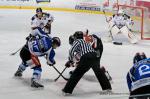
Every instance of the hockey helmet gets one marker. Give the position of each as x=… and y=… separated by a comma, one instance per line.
x=56, y=40
x=78, y=35
x=138, y=57
x=71, y=39
x=38, y=10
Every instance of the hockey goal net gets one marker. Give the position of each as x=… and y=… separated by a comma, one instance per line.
x=141, y=18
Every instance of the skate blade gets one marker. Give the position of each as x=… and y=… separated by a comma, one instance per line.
x=36, y=88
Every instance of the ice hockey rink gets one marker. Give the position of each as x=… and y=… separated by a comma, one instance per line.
x=15, y=26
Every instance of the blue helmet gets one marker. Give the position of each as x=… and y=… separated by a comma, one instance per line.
x=138, y=57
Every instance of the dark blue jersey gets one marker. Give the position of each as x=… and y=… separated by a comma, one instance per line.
x=139, y=75
x=41, y=47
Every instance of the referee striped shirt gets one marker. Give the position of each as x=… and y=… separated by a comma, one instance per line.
x=81, y=47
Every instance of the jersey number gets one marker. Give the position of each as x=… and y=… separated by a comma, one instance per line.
x=35, y=44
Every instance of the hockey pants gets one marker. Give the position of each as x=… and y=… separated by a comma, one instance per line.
x=86, y=62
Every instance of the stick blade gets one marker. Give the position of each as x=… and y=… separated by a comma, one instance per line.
x=117, y=43
x=12, y=54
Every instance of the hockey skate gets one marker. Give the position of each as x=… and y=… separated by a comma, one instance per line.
x=36, y=84
x=18, y=73
x=65, y=93
x=106, y=92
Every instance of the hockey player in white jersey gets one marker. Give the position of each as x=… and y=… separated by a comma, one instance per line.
x=42, y=20
x=121, y=23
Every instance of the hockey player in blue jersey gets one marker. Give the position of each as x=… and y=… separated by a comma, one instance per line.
x=138, y=78
x=34, y=48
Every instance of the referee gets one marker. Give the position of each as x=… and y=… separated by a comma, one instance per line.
x=88, y=60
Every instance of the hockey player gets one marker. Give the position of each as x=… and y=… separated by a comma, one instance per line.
x=88, y=59
x=34, y=48
x=121, y=23
x=42, y=20
x=138, y=78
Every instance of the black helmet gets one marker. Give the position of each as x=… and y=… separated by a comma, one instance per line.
x=138, y=57
x=71, y=39
x=38, y=10
x=56, y=40
x=78, y=35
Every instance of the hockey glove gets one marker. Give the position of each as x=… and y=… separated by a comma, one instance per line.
x=51, y=64
x=68, y=64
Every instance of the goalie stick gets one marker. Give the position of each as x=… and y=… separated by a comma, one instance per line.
x=110, y=35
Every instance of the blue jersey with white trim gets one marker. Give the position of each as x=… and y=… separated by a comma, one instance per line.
x=41, y=47
x=139, y=75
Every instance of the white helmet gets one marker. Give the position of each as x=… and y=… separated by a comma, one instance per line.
x=120, y=11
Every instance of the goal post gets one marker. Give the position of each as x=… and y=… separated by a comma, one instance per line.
x=141, y=19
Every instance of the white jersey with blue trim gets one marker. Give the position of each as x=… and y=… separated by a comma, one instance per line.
x=41, y=47
x=121, y=20
x=41, y=22
x=139, y=75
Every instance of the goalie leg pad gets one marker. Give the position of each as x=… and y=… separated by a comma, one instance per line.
x=127, y=33
x=114, y=30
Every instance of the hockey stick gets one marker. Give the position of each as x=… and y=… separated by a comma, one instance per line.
x=139, y=96
x=14, y=53
x=58, y=71
x=116, y=43
x=60, y=74
x=49, y=32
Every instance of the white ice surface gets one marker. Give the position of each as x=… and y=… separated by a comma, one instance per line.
x=15, y=26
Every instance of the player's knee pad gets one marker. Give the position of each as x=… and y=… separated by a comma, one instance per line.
x=22, y=66
x=37, y=72
x=38, y=68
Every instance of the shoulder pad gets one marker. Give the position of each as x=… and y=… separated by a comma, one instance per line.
x=46, y=14
x=33, y=17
